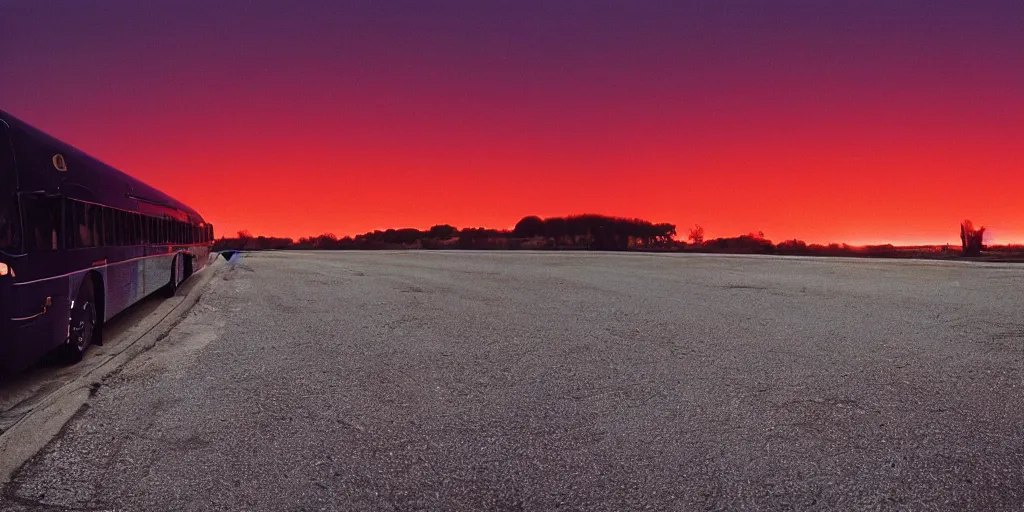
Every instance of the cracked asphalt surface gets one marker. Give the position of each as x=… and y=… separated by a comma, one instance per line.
x=543, y=381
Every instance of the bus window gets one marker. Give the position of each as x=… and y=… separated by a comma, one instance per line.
x=99, y=229
x=78, y=224
x=124, y=228
x=94, y=218
x=125, y=233
x=109, y=227
x=129, y=228
x=119, y=227
x=70, y=232
x=136, y=228
x=96, y=223
x=42, y=217
x=85, y=232
x=114, y=221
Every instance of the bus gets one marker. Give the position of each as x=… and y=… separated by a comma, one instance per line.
x=80, y=242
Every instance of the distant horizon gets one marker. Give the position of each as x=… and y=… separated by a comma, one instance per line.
x=682, y=232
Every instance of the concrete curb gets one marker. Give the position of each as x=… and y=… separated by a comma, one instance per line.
x=48, y=415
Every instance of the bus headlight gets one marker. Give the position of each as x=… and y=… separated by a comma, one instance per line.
x=6, y=269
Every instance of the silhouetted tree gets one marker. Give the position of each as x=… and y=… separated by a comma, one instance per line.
x=555, y=229
x=404, y=236
x=325, y=241
x=697, y=234
x=655, y=235
x=745, y=244
x=529, y=227
x=477, y=238
x=792, y=247
x=346, y=243
x=442, y=232
x=971, y=239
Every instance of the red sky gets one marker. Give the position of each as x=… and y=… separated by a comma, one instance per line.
x=857, y=122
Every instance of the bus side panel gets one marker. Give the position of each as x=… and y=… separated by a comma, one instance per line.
x=157, y=271
x=23, y=343
x=179, y=269
x=201, y=255
x=125, y=281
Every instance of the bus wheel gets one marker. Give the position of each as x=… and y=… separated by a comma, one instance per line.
x=84, y=320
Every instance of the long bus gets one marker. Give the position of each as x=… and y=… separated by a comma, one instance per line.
x=80, y=241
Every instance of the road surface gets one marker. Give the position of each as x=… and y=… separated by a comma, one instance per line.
x=530, y=381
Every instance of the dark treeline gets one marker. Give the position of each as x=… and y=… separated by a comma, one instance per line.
x=595, y=232
x=600, y=232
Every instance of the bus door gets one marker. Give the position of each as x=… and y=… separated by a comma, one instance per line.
x=10, y=241
x=11, y=354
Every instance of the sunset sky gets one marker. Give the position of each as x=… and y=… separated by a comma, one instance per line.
x=848, y=121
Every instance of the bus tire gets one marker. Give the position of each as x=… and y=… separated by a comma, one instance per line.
x=84, y=322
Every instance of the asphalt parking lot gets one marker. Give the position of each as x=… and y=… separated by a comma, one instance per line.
x=541, y=381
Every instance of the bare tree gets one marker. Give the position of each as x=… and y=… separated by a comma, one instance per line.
x=697, y=234
x=972, y=239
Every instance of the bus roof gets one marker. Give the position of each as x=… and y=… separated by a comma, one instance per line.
x=83, y=177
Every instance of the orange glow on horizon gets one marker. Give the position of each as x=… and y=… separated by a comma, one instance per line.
x=242, y=181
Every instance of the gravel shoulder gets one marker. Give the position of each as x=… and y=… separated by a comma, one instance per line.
x=529, y=381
